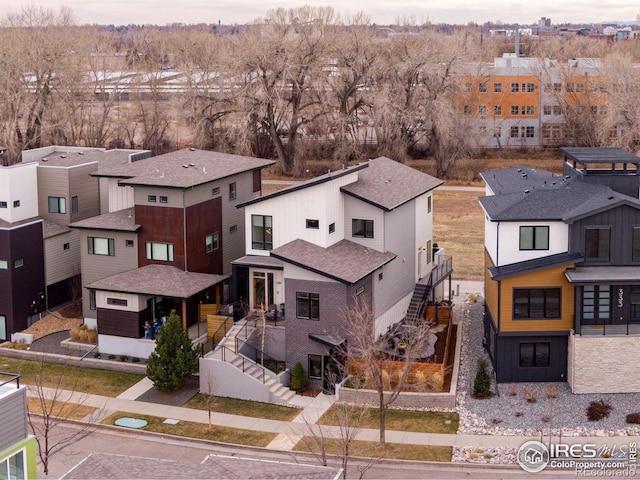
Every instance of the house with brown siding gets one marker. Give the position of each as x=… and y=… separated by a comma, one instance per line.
x=561, y=280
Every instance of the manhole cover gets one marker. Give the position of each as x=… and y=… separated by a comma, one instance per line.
x=131, y=422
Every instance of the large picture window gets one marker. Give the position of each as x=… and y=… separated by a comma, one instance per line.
x=101, y=246
x=261, y=232
x=308, y=305
x=315, y=366
x=534, y=238
x=536, y=303
x=160, y=251
x=535, y=354
x=362, y=228
x=597, y=242
x=635, y=254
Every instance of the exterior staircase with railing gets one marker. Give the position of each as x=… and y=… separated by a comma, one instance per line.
x=417, y=304
x=227, y=351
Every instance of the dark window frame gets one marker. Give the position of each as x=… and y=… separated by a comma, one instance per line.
x=537, y=303
x=539, y=358
x=308, y=305
x=214, y=244
x=361, y=228
x=149, y=251
x=111, y=249
x=74, y=204
x=120, y=302
x=534, y=237
x=312, y=223
x=57, y=205
x=152, y=198
x=164, y=199
x=635, y=244
x=595, y=244
x=233, y=191
x=310, y=370
x=261, y=233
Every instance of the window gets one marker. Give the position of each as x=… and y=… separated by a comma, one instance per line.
x=13, y=468
x=362, y=228
x=380, y=276
x=534, y=238
x=536, y=303
x=3, y=204
x=514, y=110
x=635, y=245
x=530, y=132
x=160, y=251
x=257, y=180
x=232, y=191
x=497, y=109
x=4, y=264
x=579, y=87
x=152, y=199
x=531, y=87
x=16, y=204
x=597, y=242
x=546, y=110
x=211, y=242
x=429, y=252
x=332, y=227
x=215, y=191
x=596, y=303
x=497, y=132
x=261, y=232
x=482, y=87
x=66, y=246
x=467, y=110
x=534, y=354
x=603, y=110
x=308, y=305
x=429, y=204
x=514, y=132
x=530, y=110
x=635, y=303
x=515, y=87
x=313, y=223
x=19, y=262
x=121, y=302
x=497, y=88
x=74, y=204
x=557, y=87
x=594, y=109
x=482, y=110
x=128, y=243
x=164, y=199
x=315, y=366
x=570, y=87
x=557, y=110
x=360, y=290
x=233, y=228
x=467, y=87
x=101, y=246
x=3, y=327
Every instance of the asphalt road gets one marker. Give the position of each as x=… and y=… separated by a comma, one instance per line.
x=140, y=444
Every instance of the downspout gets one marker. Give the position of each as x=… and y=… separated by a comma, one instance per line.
x=184, y=229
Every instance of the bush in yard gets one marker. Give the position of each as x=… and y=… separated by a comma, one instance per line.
x=598, y=410
x=482, y=382
x=633, y=417
x=298, y=379
x=174, y=360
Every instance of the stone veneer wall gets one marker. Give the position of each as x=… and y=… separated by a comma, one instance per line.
x=604, y=364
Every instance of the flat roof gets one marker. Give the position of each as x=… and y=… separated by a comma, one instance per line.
x=604, y=274
x=587, y=155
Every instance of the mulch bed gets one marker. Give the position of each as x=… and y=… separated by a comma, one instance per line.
x=176, y=398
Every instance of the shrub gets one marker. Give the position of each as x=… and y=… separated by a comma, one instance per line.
x=96, y=354
x=92, y=336
x=298, y=378
x=135, y=360
x=355, y=381
x=633, y=417
x=111, y=356
x=598, y=410
x=482, y=382
x=530, y=394
x=123, y=358
x=513, y=390
x=550, y=390
x=473, y=298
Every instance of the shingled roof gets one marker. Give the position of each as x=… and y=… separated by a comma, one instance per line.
x=345, y=261
x=388, y=184
x=162, y=280
x=182, y=169
x=121, y=220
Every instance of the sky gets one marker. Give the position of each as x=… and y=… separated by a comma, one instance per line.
x=162, y=12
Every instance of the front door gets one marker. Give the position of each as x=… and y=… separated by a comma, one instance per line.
x=259, y=289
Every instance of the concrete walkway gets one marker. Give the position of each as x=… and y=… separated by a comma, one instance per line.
x=288, y=433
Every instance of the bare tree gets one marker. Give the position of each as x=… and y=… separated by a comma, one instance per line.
x=210, y=395
x=371, y=356
x=57, y=401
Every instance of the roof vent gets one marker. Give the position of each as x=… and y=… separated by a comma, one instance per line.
x=192, y=164
x=185, y=166
x=192, y=149
x=45, y=159
x=519, y=170
x=527, y=191
x=63, y=156
x=611, y=197
x=80, y=153
x=204, y=169
x=524, y=175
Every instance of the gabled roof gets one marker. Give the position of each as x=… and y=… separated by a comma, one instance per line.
x=517, y=179
x=388, y=184
x=536, y=264
x=564, y=199
x=161, y=280
x=182, y=169
x=52, y=229
x=345, y=261
x=121, y=220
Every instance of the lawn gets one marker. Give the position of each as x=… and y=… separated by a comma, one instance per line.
x=401, y=420
x=66, y=410
x=245, y=408
x=217, y=433
x=361, y=448
x=80, y=379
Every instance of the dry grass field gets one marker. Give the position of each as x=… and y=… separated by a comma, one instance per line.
x=458, y=218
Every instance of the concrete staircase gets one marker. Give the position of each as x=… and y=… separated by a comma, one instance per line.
x=226, y=352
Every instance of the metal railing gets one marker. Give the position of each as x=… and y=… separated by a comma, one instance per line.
x=444, y=268
x=259, y=357
x=245, y=362
x=221, y=332
x=13, y=377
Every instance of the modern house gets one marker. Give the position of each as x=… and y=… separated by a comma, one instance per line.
x=17, y=446
x=314, y=249
x=562, y=283
x=166, y=243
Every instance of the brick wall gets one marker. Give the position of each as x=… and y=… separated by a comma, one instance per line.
x=604, y=364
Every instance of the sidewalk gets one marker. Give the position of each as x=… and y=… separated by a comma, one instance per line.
x=290, y=432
